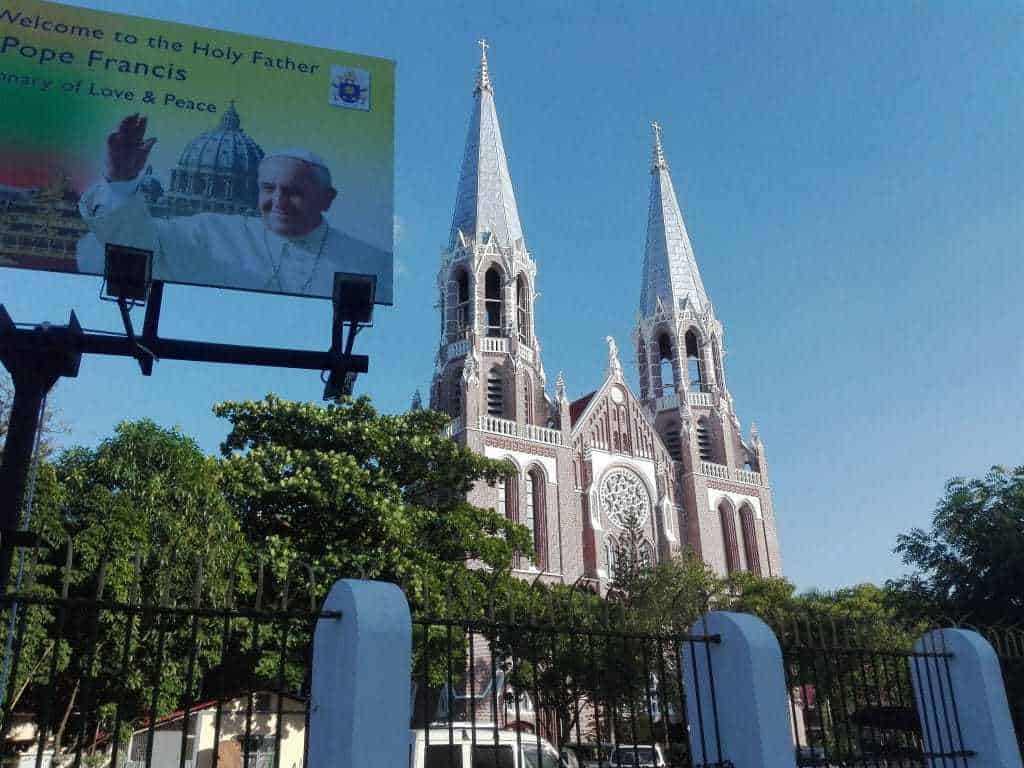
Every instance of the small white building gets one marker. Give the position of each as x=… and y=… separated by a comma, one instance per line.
x=252, y=728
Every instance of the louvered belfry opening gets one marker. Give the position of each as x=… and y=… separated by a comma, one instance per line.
x=704, y=446
x=495, y=394
x=674, y=442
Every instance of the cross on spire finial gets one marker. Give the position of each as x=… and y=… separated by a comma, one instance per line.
x=659, y=153
x=483, y=80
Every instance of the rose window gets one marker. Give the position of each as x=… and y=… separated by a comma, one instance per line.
x=624, y=498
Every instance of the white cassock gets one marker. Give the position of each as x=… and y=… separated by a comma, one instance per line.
x=224, y=250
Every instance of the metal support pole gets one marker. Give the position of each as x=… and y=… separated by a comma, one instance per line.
x=54, y=352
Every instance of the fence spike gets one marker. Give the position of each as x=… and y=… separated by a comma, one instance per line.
x=166, y=583
x=197, y=584
x=572, y=601
x=449, y=592
x=286, y=589
x=229, y=599
x=69, y=559
x=30, y=576
x=311, y=574
x=259, y=582
x=135, y=591
x=101, y=580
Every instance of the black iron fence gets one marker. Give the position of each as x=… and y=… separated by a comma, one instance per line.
x=559, y=690
x=852, y=700
x=106, y=668
x=100, y=670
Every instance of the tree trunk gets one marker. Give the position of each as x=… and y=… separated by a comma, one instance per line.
x=31, y=674
x=58, y=737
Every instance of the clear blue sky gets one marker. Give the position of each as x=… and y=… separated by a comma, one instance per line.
x=851, y=175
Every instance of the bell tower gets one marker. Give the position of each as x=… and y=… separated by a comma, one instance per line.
x=679, y=344
x=488, y=363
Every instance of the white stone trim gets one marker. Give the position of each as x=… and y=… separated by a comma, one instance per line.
x=716, y=497
x=524, y=460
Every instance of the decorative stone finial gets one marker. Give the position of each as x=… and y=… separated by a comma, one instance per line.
x=659, y=162
x=755, y=436
x=417, y=401
x=614, y=366
x=483, y=78
x=470, y=370
x=560, y=387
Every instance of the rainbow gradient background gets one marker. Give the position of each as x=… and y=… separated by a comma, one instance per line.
x=46, y=134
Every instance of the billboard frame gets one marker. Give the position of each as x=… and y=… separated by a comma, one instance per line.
x=38, y=355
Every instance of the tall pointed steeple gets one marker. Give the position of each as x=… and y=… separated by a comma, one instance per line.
x=485, y=202
x=670, y=270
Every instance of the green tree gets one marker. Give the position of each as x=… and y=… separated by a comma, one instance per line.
x=354, y=493
x=969, y=564
x=143, y=512
x=634, y=557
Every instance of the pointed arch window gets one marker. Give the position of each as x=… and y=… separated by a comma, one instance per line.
x=694, y=367
x=668, y=374
x=749, y=530
x=462, y=304
x=730, y=545
x=523, y=309
x=495, y=394
x=493, y=302
x=506, y=497
x=535, y=518
x=645, y=555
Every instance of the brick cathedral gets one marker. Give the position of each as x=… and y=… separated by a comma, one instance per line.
x=672, y=456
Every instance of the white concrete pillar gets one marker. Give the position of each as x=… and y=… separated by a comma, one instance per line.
x=362, y=675
x=961, y=701
x=736, y=701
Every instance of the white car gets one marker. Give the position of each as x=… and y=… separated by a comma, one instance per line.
x=636, y=756
x=479, y=745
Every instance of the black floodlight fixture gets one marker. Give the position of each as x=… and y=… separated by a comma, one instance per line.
x=353, y=307
x=127, y=273
x=353, y=298
x=340, y=384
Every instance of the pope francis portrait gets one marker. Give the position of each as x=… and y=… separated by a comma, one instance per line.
x=290, y=248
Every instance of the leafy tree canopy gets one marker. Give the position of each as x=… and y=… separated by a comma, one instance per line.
x=970, y=564
x=353, y=492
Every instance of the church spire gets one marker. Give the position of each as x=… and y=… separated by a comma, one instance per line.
x=485, y=202
x=483, y=80
x=670, y=271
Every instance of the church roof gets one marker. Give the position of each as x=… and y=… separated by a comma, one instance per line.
x=485, y=202
x=577, y=407
x=670, y=269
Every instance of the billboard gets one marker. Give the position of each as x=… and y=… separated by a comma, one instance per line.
x=239, y=162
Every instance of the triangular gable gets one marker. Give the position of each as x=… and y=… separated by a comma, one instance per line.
x=591, y=405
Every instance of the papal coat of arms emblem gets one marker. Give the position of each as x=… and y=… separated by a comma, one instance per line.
x=349, y=88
